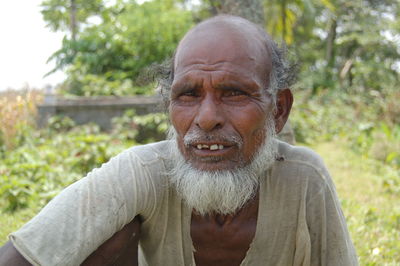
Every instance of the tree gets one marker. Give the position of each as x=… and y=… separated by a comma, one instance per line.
x=335, y=41
x=106, y=58
x=352, y=46
x=65, y=15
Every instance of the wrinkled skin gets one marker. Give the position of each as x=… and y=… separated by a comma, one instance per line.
x=219, y=90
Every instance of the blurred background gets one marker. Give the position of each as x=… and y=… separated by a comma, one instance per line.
x=347, y=98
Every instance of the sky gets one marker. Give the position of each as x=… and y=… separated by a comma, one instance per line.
x=25, y=46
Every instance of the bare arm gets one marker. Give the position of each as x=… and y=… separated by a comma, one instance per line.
x=121, y=249
x=9, y=256
x=86, y=214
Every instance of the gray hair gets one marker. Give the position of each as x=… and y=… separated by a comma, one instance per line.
x=282, y=75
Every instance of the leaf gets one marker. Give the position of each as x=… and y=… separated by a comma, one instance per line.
x=329, y=5
x=391, y=156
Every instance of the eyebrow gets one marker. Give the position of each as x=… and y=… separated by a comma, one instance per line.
x=185, y=86
x=228, y=84
x=232, y=84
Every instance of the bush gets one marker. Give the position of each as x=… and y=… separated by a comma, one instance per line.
x=17, y=117
x=37, y=171
x=141, y=129
x=366, y=121
x=53, y=157
x=107, y=58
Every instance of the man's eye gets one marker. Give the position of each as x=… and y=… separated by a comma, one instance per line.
x=188, y=95
x=235, y=93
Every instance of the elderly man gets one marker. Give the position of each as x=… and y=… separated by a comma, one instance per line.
x=222, y=191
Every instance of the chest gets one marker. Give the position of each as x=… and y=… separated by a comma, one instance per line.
x=222, y=242
x=174, y=237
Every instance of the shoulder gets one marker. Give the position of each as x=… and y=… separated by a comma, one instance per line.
x=142, y=164
x=298, y=155
x=301, y=166
x=148, y=153
x=151, y=155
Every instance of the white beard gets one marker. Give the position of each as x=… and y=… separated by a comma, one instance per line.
x=223, y=191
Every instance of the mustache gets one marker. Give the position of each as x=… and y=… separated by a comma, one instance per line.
x=197, y=135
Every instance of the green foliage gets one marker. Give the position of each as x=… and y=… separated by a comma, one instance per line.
x=348, y=96
x=368, y=122
x=60, y=124
x=348, y=45
x=143, y=129
x=369, y=201
x=385, y=144
x=61, y=153
x=97, y=85
x=283, y=18
x=39, y=169
x=107, y=58
x=57, y=13
x=339, y=44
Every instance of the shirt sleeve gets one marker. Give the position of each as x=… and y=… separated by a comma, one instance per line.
x=87, y=213
x=330, y=240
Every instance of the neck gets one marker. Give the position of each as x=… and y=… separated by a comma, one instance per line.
x=249, y=211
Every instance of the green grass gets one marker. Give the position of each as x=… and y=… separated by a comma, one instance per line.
x=370, y=203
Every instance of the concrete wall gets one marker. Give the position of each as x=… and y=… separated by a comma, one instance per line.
x=99, y=110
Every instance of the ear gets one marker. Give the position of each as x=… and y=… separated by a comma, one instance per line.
x=284, y=101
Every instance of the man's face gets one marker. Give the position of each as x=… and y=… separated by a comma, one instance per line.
x=218, y=101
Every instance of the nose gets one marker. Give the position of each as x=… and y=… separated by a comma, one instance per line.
x=209, y=115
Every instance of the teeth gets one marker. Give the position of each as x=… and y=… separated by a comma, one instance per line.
x=214, y=147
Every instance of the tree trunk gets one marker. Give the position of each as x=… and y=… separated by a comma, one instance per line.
x=73, y=23
x=330, y=52
x=330, y=43
x=283, y=19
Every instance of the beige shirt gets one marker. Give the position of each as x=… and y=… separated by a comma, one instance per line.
x=300, y=221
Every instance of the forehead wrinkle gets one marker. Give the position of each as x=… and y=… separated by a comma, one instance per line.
x=182, y=61
x=225, y=66
x=195, y=78
x=242, y=46
x=221, y=36
x=202, y=62
x=222, y=83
